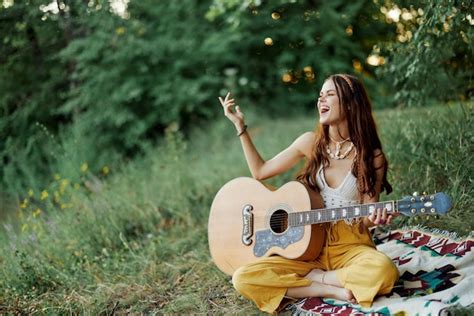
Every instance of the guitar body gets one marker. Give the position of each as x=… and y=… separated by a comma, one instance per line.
x=248, y=222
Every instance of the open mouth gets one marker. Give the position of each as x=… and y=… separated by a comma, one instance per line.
x=323, y=109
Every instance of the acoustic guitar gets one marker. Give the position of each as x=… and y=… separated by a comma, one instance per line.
x=248, y=221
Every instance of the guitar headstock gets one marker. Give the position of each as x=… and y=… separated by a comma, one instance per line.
x=434, y=204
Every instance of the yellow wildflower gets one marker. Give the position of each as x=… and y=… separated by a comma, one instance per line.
x=105, y=170
x=120, y=30
x=44, y=195
x=64, y=184
x=77, y=186
x=24, y=227
x=30, y=192
x=63, y=206
x=84, y=167
x=57, y=177
x=24, y=204
x=37, y=212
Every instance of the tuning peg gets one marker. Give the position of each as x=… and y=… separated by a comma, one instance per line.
x=432, y=210
x=422, y=199
x=432, y=197
x=413, y=210
x=415, y=193
x=422, y=210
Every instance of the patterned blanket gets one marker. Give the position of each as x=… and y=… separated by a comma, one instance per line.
x=436, y=273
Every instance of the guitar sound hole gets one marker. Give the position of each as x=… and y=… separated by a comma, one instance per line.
x=279, y=221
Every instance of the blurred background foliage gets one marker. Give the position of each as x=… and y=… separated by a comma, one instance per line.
x=98, y=81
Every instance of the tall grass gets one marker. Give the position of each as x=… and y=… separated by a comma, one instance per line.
x=137, y=240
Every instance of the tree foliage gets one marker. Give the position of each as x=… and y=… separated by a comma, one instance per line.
x=80, y=82
x=433, y=57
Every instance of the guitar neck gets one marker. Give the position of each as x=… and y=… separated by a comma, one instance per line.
x=325, y=215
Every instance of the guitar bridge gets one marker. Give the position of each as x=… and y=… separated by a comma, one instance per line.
x=247, y=232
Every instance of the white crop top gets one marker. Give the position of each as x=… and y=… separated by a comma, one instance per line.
x=346, y=194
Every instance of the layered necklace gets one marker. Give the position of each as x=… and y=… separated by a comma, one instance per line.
x=337, y=155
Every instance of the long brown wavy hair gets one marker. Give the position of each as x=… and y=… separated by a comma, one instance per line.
x=356, y=107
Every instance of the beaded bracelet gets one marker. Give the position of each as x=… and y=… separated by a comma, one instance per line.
x=242, y=131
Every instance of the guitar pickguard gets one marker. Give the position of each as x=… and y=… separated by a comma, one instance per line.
x=265, y=239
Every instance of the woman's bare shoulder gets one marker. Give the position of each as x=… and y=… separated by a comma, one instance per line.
x=304, y=143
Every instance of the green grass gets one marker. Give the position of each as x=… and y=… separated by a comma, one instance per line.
x=136, y=241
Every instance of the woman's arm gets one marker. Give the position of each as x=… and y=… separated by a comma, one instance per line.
x=282, y=162
x=260, y=168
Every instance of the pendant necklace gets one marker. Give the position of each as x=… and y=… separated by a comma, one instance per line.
x=337, y=155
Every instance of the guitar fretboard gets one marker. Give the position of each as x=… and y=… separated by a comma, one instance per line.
x=334, y=214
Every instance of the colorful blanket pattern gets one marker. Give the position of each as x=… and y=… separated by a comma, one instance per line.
x=436, y=272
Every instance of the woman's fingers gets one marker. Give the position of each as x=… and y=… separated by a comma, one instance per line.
x=234, y=115
x=378, y=217
x=225, y=98
x=384, y=219
x=227, y=104
x=371, y=217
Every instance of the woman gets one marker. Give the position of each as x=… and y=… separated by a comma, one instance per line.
x=345, y=163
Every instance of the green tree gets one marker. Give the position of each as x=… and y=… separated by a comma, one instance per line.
x=432, y=58
x=33, y=82
x=289, y=47
x=139, y=75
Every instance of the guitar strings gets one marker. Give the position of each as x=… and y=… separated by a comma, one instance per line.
x=278, y=217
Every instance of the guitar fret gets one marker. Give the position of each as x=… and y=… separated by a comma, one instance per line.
x=334, y=214
x=378, y=205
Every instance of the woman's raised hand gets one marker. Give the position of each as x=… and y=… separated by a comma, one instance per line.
x=236, y=117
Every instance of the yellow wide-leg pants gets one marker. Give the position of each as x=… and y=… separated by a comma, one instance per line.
x=349, y=250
